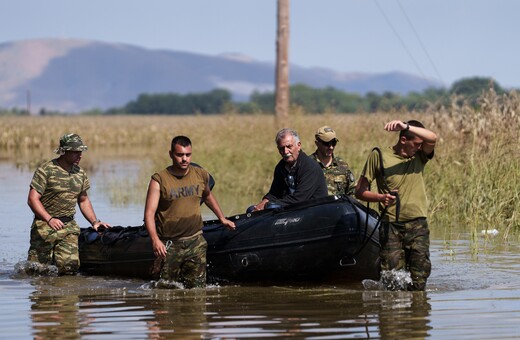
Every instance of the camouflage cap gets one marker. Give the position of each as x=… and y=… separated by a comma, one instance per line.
x=71, y=142
x=326, y=134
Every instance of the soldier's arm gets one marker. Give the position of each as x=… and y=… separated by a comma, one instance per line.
x=35, y=203
x=88, y=211
x=363, y=193
x=152, y=202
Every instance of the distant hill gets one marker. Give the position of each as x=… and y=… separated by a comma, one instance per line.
x=72, y=75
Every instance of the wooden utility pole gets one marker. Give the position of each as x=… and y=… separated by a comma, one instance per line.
x=282, y=61
x=28, y=96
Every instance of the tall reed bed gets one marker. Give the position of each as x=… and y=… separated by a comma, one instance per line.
x=473, y=182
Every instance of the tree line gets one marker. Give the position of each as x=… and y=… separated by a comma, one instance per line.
x=312, y=100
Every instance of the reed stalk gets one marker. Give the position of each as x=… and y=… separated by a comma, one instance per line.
x=472, y=183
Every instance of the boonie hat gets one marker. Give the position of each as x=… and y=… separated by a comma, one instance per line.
x=71, y=142
x=326, y=134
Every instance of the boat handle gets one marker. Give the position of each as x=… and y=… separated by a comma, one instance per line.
x=342, y=264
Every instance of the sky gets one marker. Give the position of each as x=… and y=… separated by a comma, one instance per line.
x=442, y=40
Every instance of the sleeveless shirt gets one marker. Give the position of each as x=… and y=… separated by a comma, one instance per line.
x=178, y=212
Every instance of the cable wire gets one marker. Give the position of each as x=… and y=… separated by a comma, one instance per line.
x=400, y=39
x=421, y=43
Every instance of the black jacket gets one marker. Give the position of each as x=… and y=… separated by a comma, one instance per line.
x=309, y=182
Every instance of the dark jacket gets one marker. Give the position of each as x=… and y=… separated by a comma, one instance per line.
x=309, y=182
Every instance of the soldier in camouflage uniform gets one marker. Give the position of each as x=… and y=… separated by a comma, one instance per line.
x=340, y=180
x=56, y=187
x=173, y=216
x=404, y=235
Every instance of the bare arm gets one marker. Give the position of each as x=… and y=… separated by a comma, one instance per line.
x=363, y=193
x=212, y=203
x=152, y=202
x=88, y=211
x=34, y=202
x=429, y=137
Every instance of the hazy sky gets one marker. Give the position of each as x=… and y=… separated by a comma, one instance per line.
x=445, y=40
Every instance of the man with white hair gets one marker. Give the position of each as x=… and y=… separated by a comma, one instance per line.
x=297, y=177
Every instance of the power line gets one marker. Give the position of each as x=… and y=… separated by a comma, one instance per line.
x=421, y=43
x=400, y=40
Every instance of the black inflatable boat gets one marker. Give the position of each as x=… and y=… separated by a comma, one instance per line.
x=330, y=239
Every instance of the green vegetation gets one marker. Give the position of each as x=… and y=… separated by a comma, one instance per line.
x=302, y=98
x=215, y=101
x=316, y=101
x=473, y=182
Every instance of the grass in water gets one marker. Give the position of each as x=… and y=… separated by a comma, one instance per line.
x=472, y=183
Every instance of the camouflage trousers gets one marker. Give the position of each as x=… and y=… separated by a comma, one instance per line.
x=186, y=262
x=406, y=245
x=51, y=247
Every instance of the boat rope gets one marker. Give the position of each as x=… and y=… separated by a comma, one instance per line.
x=367, y=239
x=383, y=213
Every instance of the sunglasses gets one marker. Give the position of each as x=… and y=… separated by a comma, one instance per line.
x=327, y=144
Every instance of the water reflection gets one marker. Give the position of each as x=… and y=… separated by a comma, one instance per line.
x=181, y=313
x=71, y=307
x=54, y=315
x=468, y=296
x=401, y=314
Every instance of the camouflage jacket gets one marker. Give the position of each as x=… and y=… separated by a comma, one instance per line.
x=340, y=179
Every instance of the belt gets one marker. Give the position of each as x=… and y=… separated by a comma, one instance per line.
x=186, y=238
x=64, y=219
x=407, y=221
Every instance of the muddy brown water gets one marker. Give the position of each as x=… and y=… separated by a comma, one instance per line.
x=471, y=294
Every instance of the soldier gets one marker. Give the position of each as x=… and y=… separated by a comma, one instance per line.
x=398, y=172
x=340, y=180
x=173, y=217
x=56, y=187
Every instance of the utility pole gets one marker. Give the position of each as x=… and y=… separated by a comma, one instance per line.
x=28, y=102
x=282, y=61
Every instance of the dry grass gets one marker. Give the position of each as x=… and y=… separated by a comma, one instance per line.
x=473, y=182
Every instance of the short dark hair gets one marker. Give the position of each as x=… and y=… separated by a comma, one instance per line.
x=407, y=133
x=181, y=140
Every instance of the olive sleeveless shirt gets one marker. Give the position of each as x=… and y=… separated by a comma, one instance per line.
x=178, y=213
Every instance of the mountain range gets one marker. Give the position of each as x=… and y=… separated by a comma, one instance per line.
x=72, y=75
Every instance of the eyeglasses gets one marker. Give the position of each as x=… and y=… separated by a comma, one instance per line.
x=328, y=144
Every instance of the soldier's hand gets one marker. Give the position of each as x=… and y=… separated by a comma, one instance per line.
x=387, y=199
x=395, y=125
x=100, y=224
x=159, y=249
x=55, y=223
x=229, y=224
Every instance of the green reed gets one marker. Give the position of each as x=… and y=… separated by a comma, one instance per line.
x=472, y=182
x=475, y=181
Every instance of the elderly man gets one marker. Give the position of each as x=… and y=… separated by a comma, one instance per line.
x=56, y=187
x=340, y=180
x=297, y=177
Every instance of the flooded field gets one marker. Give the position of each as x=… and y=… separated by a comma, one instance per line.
x=473, y=293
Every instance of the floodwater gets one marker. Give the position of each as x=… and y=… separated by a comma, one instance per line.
x=470, y=295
